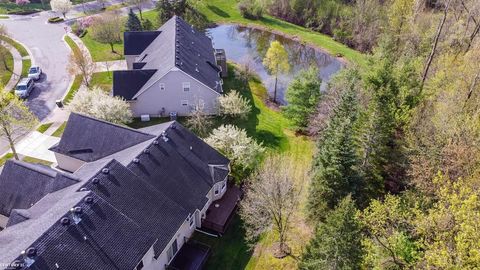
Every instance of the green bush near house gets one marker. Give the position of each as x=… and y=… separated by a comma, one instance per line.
x=7, y=7
x=44, y=127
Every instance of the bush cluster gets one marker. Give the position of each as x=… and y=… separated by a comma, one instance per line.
x=55, y=20
x=250, y=9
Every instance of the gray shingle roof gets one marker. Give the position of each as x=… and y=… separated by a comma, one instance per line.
x=23, y=184
x=90, y=139
x=127, y=82
x=137, y=204
x=180, y=46
x=136, y=42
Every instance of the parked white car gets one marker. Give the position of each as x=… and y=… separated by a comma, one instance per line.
x=24, y=87
x=34, y=73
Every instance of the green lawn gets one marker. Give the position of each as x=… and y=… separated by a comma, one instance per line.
x=23, y=52
x=103, y=80
x=60, y=130
x=73, y=46
x=6, y=72
x=5, y=158
x=77, y=82
x=102, y=52
x=26, y=64
x=36, y=160
x=229, y=251
x=44, y=127
x=9, y=7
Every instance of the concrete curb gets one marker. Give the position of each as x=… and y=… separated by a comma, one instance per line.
x=72, y=77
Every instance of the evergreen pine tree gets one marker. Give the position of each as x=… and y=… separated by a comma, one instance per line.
x=302, y=96
x=335, y=173
x=147, y=25
x=133, y=23
x=337, y=242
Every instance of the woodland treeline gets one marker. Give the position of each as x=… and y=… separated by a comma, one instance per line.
x=395, y=180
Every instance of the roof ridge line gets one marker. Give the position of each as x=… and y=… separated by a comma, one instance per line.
x=35, y=167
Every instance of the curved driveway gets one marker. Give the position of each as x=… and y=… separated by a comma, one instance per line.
x=50, y=52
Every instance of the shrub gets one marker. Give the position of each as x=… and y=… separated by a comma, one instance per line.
x=250, y=9
x=55, y=20
x=234, y=105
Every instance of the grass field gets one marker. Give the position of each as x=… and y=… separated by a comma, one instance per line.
x=102, y=52
x=77, y=82
x=36, y=160
x=6, y=68
x=73, y=46
x=103, y=80
x=44, y=127
x=5, y=158
x=9, y=7
x=60, y=130
x=23, y=52
x=26, y=64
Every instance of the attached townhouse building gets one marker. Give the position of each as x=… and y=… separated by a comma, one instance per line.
x=119, y=199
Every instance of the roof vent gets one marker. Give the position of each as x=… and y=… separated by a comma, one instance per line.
x=28, y=257
x=191, y=148
x=89, y=200
x=96, y=181
x=146, y=151
x=155, y=142
x=105, y=170
x=83, y=189
x=76, y=212
x=136, y=160
x=65, y=221
x=196, y=69
x=173, y=126
x=57, y=266
x=31, y=252
x=17, y=264
x=164, y=136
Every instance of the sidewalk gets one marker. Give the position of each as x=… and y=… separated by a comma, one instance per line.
x=17, y=66
x=36, y=145
x=110, y=65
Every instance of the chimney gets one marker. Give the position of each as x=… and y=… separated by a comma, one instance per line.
x=76, y=214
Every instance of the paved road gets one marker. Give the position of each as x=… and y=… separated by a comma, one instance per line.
x=50, y=52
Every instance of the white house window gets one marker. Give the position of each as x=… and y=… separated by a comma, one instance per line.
x=186, y=86
x=192, y=221
x=162, y=86
x=184, y=102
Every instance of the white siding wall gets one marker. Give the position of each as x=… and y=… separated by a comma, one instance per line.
x=68, y=163
x=182, y=235
x=130, y=59
x=153, y=99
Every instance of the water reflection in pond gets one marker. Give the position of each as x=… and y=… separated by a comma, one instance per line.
x=247, y=45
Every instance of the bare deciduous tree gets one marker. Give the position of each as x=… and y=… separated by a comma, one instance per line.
x=199, y=121
x=81, y=63
x=138, y=5
x=107, y=29
x=16, y=120
x=271, y=199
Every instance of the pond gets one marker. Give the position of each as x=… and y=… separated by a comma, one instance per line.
x=247, y=45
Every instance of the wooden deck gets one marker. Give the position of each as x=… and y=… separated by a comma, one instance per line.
x=221, y=211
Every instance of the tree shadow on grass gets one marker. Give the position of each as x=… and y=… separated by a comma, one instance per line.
x=218, y=11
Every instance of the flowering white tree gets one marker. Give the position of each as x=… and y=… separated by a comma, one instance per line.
x=234, y=105
x=243, y=151
x=98, y=104
x=61, y=6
